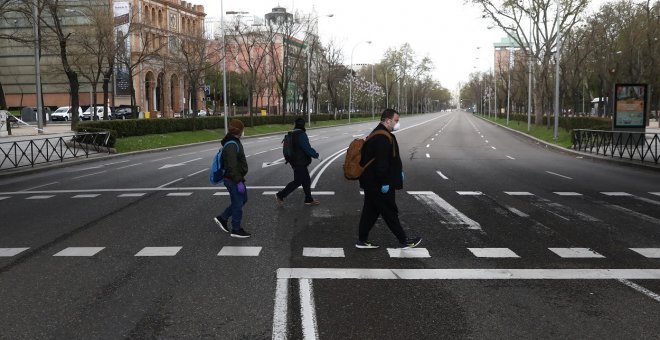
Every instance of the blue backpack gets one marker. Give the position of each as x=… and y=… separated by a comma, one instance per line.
x=217, y=169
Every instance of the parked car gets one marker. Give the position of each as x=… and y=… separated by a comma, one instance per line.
x=202, y=113
x=87, y=115
x=64, y=113
x=122, y=113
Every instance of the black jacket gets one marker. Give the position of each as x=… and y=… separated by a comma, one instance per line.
x=234, y=162
x=385, y=169
x=302, y=150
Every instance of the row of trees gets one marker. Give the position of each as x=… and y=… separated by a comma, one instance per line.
x=617, y=44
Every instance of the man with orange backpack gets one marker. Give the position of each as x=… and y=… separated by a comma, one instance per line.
x=382, y=175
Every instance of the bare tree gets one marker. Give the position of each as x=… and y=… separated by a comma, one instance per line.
x=516, y=18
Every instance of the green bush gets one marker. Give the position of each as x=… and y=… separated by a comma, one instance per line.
x=570, y=123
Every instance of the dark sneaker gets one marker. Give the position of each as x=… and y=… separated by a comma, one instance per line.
x=222, y=223
x=312, y=202
x=366, y=245
x=279, y=201
x=240, y=233
x=410, y=243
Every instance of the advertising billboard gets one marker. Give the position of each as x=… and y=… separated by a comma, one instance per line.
x=122, y=24
x=630, y=106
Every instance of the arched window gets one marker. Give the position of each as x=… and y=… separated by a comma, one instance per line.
x=153, y=16
x=160, y=19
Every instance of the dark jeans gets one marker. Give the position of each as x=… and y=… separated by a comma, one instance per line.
x=300, y=177
x=379, y=204
x=235, y=209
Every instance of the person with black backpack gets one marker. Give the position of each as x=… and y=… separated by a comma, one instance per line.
x=235, y=166
x=298, y=153
x=382, y=174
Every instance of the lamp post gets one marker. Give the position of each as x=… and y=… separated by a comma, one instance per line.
x=557, y=56
x=350, y=81
x=508, y=86
x=37, y=65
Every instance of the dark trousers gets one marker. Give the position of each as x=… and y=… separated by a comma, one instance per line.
x=379, y=204
x=300, y=177
x=235, y=209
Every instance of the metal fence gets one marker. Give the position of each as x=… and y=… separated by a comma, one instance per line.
x=43, y=150
x=632, y=145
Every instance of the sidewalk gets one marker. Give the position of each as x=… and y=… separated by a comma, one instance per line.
x=24, y=132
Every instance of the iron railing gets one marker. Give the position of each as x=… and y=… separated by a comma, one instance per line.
x=632, y=145
x=25, y=153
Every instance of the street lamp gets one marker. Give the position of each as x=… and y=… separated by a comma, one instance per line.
x=350, y=81
x=37, y=65
x=557, y=56
x=224, y=61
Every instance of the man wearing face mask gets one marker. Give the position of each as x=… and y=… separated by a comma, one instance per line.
x=380, y=179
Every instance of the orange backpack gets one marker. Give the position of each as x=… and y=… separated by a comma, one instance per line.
x=352, y=168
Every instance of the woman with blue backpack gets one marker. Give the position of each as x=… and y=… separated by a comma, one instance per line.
x=233, y=167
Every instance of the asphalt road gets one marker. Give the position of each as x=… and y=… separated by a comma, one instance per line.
x=519, y=241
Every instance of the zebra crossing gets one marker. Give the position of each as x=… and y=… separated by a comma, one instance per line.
x=315, y=252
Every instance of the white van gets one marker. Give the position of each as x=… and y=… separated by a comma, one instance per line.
x=64, y=113
x=87, y=115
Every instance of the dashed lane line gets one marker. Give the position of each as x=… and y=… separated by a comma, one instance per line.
x=558, y=175
x=576, y=253
x=86, y=196
x=87, y=175
x=40, y=186
x=79, y=251
x=441, y=175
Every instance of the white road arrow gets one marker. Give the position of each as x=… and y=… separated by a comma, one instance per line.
x=167, y=166
x=279, y=161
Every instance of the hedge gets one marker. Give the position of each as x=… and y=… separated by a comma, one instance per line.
x=140, y=127
x=569, y=123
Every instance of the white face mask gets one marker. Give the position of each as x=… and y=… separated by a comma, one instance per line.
x=396, y=126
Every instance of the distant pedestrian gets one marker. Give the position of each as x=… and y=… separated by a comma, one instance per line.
x=380, y=180
x=299, y=161
x=236, y=167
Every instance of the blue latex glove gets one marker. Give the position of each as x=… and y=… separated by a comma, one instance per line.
x=403, y=176
x=384, y=189
x=241, y=187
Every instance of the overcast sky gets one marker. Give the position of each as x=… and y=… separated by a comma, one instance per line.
x=447, y=31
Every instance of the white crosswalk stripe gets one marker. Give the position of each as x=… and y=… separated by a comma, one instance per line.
x=179, y=194
x=39, y=197
x=9, y=252
x=653, y=253
x=408, y=253
x=493, y=252
x=323, y=252
x=80, y=251
x=86, y=196
x=139, y=194
x=576, y=253
x=4, y=197
x=158, y=251
x=239, y=251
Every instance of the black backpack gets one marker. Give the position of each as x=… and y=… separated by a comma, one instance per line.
x=288, y=148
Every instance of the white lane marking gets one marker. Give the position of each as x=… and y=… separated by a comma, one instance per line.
x=137, y=194
x=317, y=193
x=268, y=137
x=645, y=217
x=655, y=193
x=275, y=162
x=221, y=193
x=87, y=175
x=323, y=252
x=559, y=175
x=494, y=148
x=119, y=162
x=9, y=252
x=493, y=252
x=280, y=310
x=428, y=156
x=576, y=253
x=172, y=182
x=470, y=193
x=167, y=166
x=509, y=157
x=239, y=251
x=214, y=188
x=179, y=194
x=432, y=139
x=358, y=136
x=428, y=145
x=486, y=141
x=318, y=176
x=308, y=310
x=79, y=251
x=4, y=198
x=197, y=172
x=86, y=196
x=450, y=214
x=441, y=175
x=40, y=186
x=260, y=152
x=90, y=168
x=467, y=274
x=187, y=154
x=129, y=166
x=318, y=166
x=652, y=253
x=158, y=251
x=579, y=157
x=518, y=193
x=616, y=194
x=644, y=199
x=362, y=192
x=567, y=193
x=640, y=289
x=39, y=197
x=408, y=253
x=273, y=149
x=160, y=159
x=517, y=212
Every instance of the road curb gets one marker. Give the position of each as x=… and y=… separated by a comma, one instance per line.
x=579, y=153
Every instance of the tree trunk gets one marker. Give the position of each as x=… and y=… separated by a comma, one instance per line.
x=74, y=87
x=3, y=101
